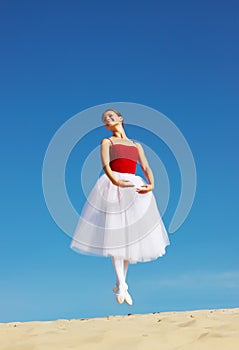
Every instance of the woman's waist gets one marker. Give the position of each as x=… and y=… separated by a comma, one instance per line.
x=122, y=173
x=136, y=179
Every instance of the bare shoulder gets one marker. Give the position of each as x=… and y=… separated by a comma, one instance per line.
x=139, y=146
x=105, y=141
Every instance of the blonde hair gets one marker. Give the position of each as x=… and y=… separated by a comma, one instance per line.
x=116, y=112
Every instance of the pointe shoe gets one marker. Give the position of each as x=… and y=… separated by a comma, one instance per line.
x=127, y=298
x=120, y=296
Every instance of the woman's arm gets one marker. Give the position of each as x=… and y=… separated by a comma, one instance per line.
x=105, y=160
x=145, y=167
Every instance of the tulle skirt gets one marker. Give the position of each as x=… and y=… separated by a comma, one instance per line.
x=118, y=221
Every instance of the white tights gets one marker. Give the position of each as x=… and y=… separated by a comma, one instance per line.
x=121, y=268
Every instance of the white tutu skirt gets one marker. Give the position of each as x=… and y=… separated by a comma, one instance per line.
x=118, y=221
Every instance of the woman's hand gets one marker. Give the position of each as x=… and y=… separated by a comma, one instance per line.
x=124, y=183
x=145, y=188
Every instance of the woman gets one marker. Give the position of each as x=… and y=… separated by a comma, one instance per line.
x=120, y=218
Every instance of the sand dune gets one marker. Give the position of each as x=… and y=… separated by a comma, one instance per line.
x=194, y=330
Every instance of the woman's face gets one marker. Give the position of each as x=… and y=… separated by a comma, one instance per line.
x=110, y=118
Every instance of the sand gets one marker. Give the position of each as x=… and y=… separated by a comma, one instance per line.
x=200, y=329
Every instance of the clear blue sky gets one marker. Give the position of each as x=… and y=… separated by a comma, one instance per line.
x=61, y=57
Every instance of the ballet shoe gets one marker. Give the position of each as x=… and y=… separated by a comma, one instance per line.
x=120, y=295
x=127, y=298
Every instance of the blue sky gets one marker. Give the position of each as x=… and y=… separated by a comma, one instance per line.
x=59, y=58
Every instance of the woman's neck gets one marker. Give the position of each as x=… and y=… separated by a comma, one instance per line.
x=120, y=134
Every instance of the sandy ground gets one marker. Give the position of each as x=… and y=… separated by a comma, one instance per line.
x=199, y=329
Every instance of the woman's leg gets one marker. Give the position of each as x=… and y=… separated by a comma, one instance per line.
x=122, y=294
x=119, y=267
x=126, y=265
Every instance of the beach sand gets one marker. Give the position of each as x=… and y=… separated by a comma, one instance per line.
x=187, y=330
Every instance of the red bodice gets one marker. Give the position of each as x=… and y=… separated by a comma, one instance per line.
x=123, y=158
